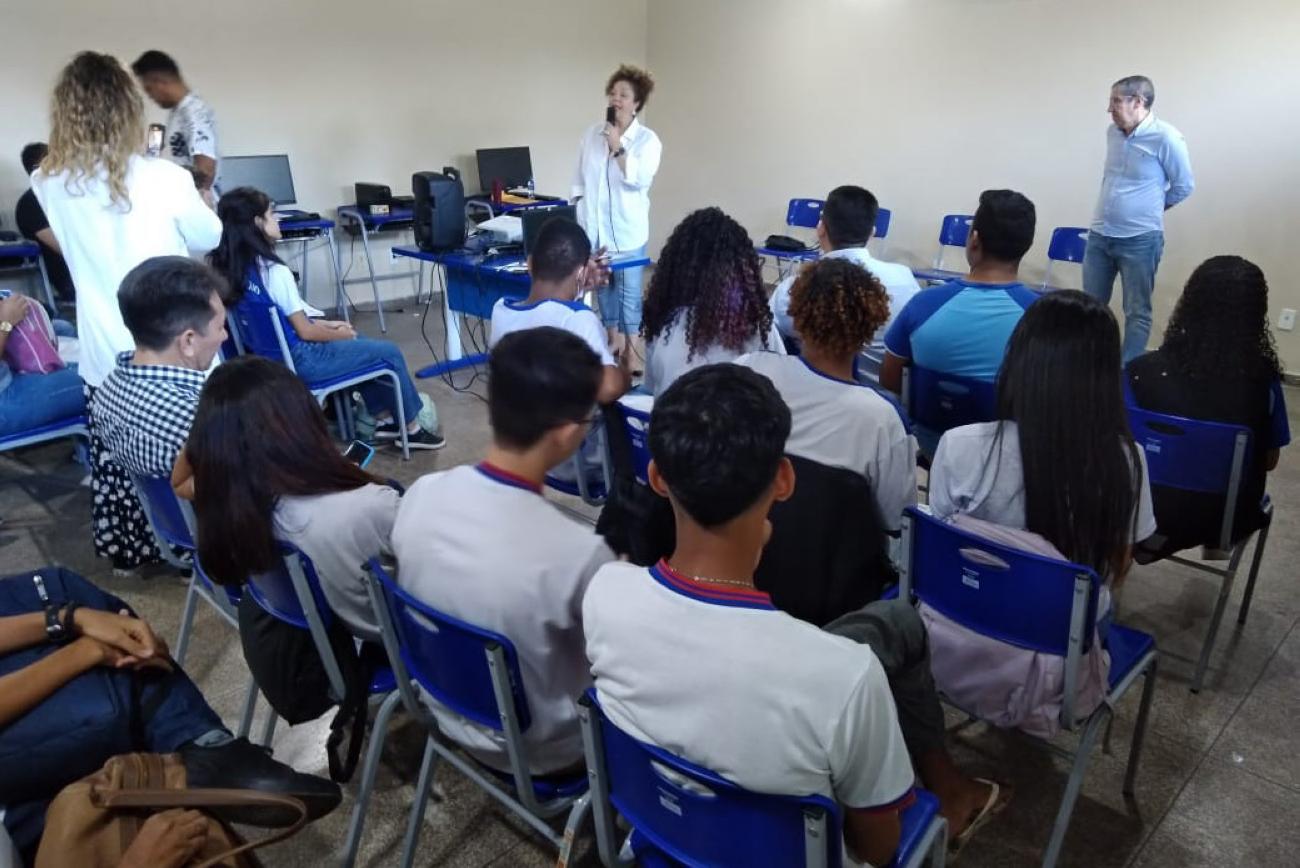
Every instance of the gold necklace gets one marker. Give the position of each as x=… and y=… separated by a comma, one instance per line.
x=737, y=583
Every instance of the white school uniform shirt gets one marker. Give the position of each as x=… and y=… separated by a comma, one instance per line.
x=191, y=131
x=572, y=316
x=967, y=477
x=668, y=356
x=615, y=207
x=102, y=242
x=845, y=424
x=898, y=280
x=717, y=675
x=484, y=546
x=283, y=290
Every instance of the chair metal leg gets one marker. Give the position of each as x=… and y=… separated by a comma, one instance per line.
x=939, y=852
x=1140, y=729
x=268, y=728
x=250, y=707
x=1260, y=540
x=377, y=736
x=577, y=814
x=1086, y=742
x=187, y=622
x=1225, y=591
x=416, y=820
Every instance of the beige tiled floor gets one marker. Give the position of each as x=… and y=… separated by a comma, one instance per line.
x=1220, y=776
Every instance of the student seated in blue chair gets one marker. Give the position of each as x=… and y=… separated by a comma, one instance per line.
x=688, y=655
x=30, y=400
x=1217, y=363
x=961, y=328
x=261, y=468
x=481, y=544
x=706, y=302
x=1060, y=460
x=320, y=348
x=836, y=306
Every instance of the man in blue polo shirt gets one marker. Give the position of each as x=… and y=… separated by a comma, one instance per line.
x=962, y=327
x=1147, y=172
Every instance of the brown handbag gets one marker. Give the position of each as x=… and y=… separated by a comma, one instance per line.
x=91, y=823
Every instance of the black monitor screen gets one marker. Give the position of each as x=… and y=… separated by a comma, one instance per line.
x=534, y=219
x=513, y=167
x=270, y=174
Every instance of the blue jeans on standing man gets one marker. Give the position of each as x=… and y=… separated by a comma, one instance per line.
x=1135, y=261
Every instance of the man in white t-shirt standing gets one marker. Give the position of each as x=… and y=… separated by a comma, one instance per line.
x=480, y=543
x=848, y=221
x=191, y=137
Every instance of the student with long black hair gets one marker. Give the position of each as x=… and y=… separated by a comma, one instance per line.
x=264, y=469
x=1060, y=460
x=1217, y=363
x=320, y=348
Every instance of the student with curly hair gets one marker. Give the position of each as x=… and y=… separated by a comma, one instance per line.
x=836, y=306
x=1217, y=363
x=706, y=302
x=617, y=162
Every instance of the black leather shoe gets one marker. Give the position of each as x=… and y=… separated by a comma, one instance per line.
x=239, y=764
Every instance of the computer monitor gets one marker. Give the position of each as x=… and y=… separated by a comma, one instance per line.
x=513, y=167
x=269, y=173
x=533, y=219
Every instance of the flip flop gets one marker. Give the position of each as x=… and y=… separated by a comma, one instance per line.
x=996, y=802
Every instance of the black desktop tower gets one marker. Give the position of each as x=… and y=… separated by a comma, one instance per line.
x=439, y=210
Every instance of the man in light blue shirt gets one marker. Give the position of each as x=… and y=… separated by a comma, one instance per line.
x=1147, y=172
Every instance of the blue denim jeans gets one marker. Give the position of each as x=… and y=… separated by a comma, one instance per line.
x=1135, y=261
x=620, y=299
x=33, y=400
x=323, y=361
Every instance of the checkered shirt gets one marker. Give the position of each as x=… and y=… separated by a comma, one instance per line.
x=143, y=413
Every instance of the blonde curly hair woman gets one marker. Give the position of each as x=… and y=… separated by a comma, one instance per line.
x=111, y=208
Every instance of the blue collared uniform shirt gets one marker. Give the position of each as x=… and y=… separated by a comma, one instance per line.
x=1147, y=172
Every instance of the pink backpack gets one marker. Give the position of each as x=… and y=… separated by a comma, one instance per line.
x=32, y=347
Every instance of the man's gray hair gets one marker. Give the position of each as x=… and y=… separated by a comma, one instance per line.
x=1139, y=86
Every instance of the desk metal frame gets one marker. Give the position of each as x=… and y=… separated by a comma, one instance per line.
x=321, y=228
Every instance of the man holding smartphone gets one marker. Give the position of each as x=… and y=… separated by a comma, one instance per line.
x=191, y=135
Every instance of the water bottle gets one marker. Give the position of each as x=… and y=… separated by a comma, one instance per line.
x=532, y=188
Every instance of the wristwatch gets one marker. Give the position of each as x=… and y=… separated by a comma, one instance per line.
x=56, y=631
x=6, y=327
x=620, y=152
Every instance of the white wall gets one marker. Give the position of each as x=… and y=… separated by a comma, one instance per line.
x=927, y=102
x=352, y=90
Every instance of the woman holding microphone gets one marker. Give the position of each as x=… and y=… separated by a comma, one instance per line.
x=617, y=161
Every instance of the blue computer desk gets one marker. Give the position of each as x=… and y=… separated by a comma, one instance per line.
x=472, y=284
x=305, y=231
x=25, y=256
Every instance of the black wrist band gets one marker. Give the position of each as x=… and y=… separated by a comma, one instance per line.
x=69, y=627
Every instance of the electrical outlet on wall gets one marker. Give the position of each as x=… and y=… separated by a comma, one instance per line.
x=1286, y=319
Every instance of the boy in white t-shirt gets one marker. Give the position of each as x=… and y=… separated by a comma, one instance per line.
x=480, y=543
x=562, y=269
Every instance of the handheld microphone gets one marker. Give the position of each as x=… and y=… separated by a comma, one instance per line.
x=611, y=116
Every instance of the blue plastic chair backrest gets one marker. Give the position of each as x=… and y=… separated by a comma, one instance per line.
x=954, y=229
x=448, y=657
x=941, y=401
x=1189, y=454
x=1068, y=244
x=804, y=212
x=883, y=217
x=1011, y=595
x=636, y=423
x=274, y=591
x=164, y=509
x=697, y=817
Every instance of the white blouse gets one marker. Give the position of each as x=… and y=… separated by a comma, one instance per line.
x=615, y=207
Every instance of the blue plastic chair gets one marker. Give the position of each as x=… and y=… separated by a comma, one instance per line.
x=636, y=427
x=73, y=426
x=259, y=327
x=883, y=216
x=803, y=214
x=475, y=673
x=936, y=402
x=292, y=594
x=1068, y=244
x=952, y=233
x=683, y=814
x=1032, y=602
x=592, y=491
x=1207, y=457
x=172, y=522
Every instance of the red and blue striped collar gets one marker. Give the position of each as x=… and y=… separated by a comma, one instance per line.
x=505, y=477
x=705, y=592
